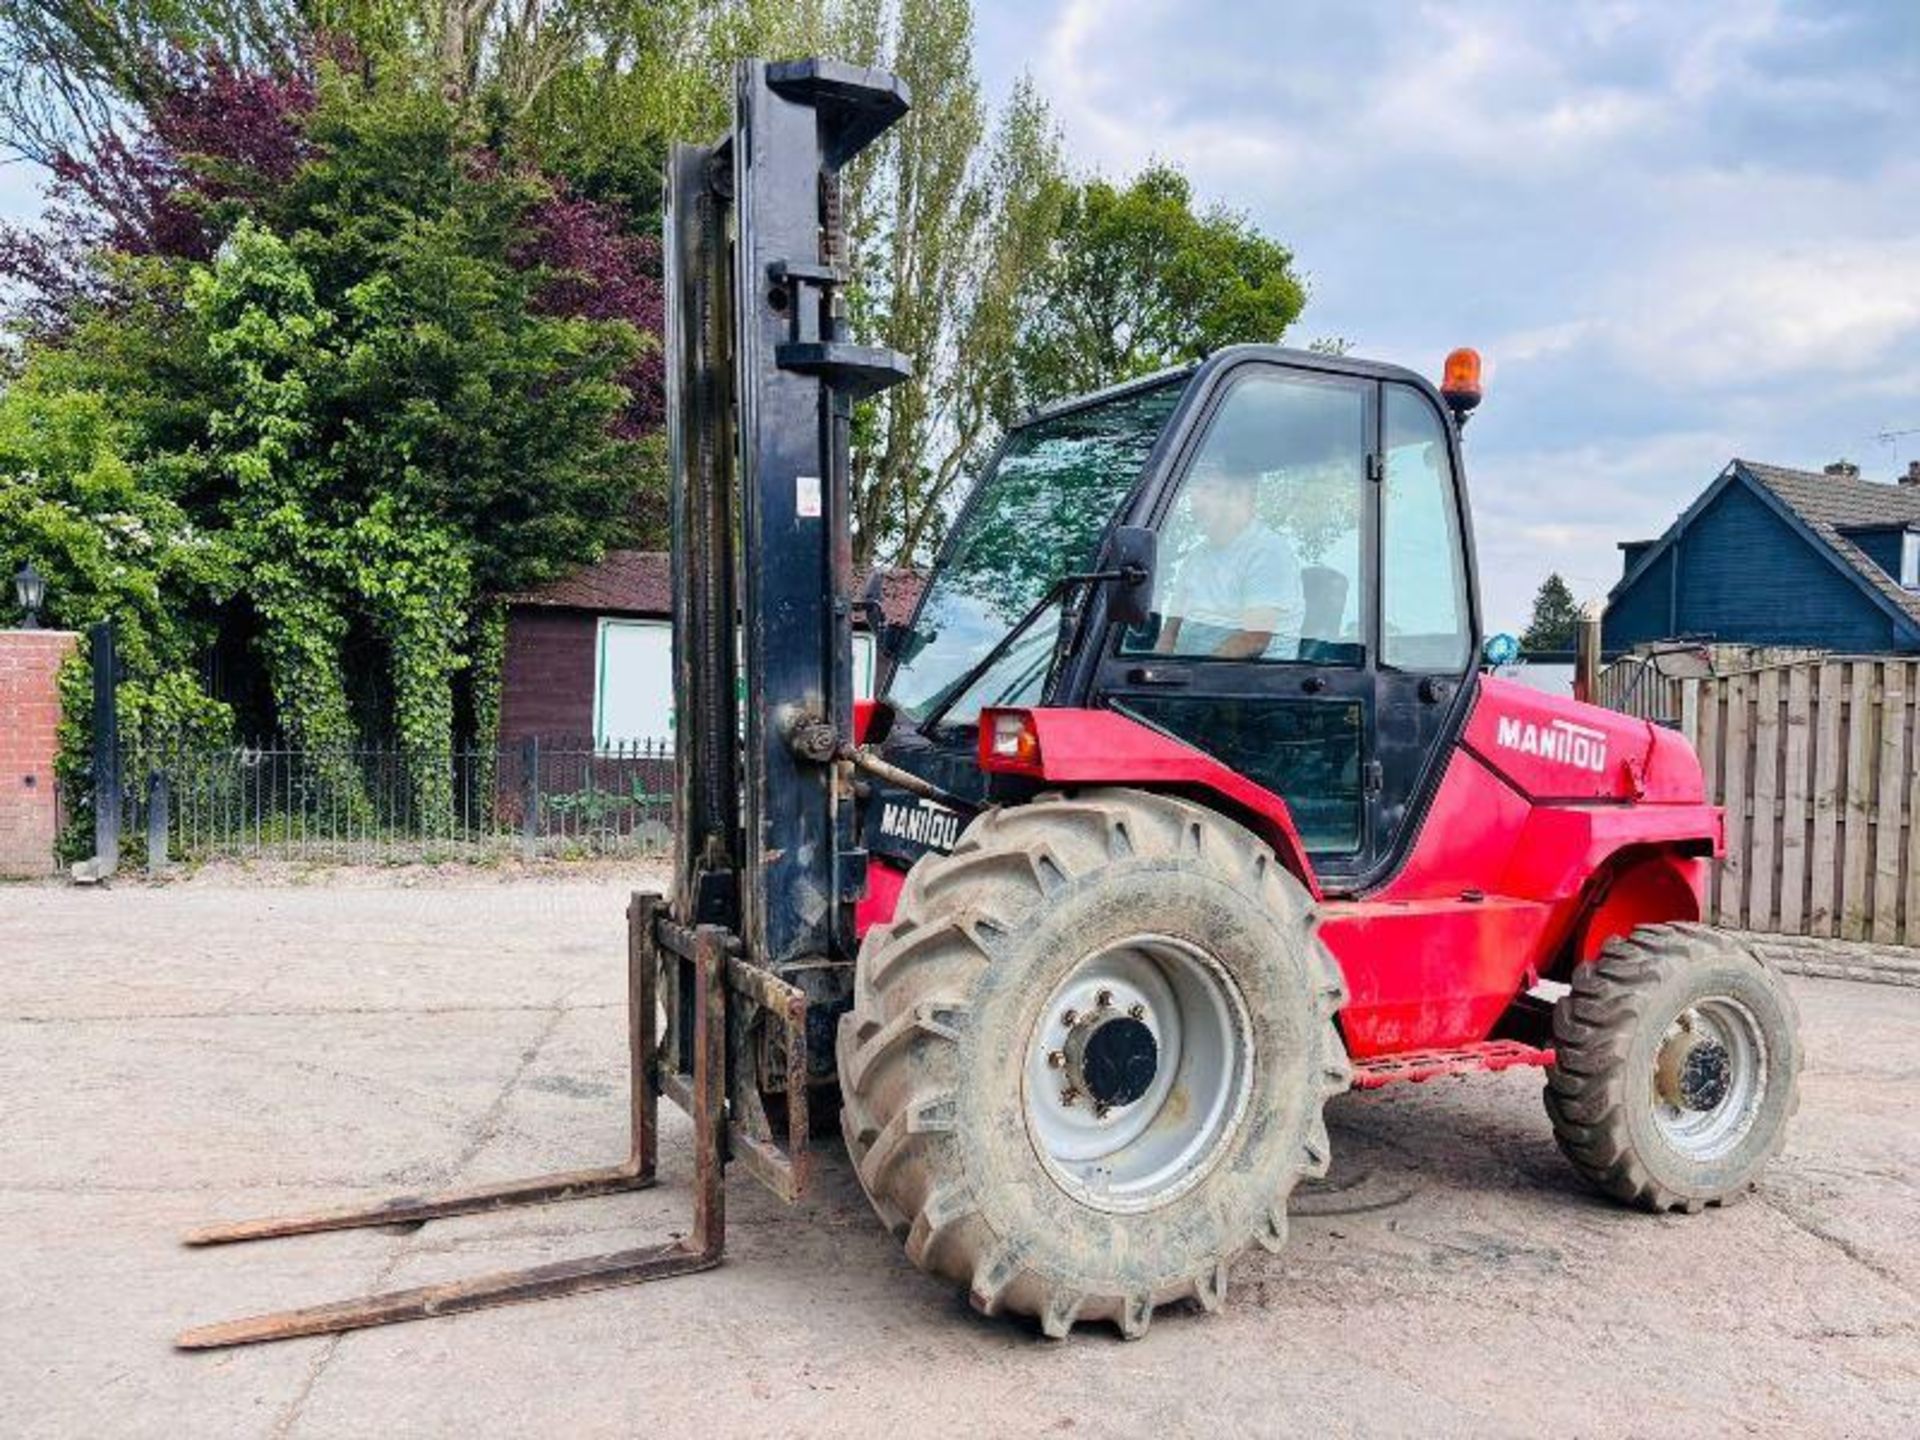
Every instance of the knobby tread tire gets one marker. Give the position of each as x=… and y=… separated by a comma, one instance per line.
x=916, y=1056
x=1597, y=1090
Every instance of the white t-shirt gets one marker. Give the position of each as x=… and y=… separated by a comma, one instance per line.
x=1214, y=586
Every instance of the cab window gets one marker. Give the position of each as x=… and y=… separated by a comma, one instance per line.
x=1261, y=552
x=1423, y=571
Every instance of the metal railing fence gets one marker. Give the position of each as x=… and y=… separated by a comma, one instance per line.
x=388, y=804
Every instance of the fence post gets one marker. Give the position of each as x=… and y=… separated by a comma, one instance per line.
x=106, y=757
x=157, y=817
x=1586, y=654
x=530, y=806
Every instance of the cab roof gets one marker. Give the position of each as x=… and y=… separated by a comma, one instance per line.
x=1235, y=355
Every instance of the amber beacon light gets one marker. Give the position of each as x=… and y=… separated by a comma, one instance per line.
x=1460, y=382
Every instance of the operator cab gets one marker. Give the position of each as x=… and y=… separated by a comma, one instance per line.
x=1311, y=624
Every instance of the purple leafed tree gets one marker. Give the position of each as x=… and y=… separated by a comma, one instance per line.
x=218, y=141
x=594, y=268
x=238, y=131
x=216, y=133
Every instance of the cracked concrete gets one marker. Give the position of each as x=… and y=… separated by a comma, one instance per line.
x=174, y=1055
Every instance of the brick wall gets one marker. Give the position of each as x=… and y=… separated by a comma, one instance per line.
x=29, y=716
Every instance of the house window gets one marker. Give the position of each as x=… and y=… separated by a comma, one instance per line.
x=1910, y=559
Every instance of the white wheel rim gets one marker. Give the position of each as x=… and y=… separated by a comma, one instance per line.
x=1700, y=1131
x=1141, y=1154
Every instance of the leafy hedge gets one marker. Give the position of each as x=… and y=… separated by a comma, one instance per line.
x=309, y=366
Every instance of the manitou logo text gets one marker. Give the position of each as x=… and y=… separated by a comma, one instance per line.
x=923, y=824
x=1560, y=740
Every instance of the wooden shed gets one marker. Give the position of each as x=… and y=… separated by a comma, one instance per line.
x=590, y=654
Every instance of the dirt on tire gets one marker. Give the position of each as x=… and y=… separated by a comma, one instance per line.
x=946, y=1001
x=1607, y=1032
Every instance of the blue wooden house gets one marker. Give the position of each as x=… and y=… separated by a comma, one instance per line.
x=1771, y=556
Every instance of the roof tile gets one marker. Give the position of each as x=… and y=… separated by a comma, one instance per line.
x=621, y=582
x=640, y=582
x=1832, y=503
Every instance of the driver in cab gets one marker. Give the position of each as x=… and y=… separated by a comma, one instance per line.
x=1236, y=592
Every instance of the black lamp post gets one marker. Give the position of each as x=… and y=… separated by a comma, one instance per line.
x=30, y=589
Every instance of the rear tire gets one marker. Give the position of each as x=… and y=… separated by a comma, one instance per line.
x=1679, y=1064
x=1174, y=936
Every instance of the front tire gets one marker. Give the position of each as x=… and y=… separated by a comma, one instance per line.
x=1678, y=1068
x=1086, y=1062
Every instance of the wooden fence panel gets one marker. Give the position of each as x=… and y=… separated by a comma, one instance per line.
x=1764, y=848
x=1911, y=901
x=1796, y=811
x=1889, y=788
x=1856, y=821
x=1816, y=762
x=1711, y=704
x=1736, y=761
x=1826, y=805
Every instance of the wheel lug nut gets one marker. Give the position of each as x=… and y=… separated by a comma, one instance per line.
x=1104, y=999
x=1100, y=1111
x=1057, y=1060
x=1137, y=1012
x=1069, y=1018
x=1069, y=1095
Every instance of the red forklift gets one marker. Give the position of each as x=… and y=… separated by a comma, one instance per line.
x=1186, y=804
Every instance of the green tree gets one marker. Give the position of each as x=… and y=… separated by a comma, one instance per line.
x=656, y=71
x=323, y=298
x=113, y=544
x=268, y=339
x=457, y=390
x=71, y=70
x=1556, y=618
x=1138, y=280
x=373, y=411
x=404, y=429
x=948, y=221
x=107, y=539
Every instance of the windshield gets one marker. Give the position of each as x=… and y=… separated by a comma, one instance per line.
x=1038, y=515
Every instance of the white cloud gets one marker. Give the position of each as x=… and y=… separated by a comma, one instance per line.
x=1519, y=347
x=1321, y=93
x=1479, y=88
x=1566, y=508
x=1740, y=313
x=1737, y=311
x=1679, y=230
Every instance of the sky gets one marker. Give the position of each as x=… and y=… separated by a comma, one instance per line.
x=1677, y=232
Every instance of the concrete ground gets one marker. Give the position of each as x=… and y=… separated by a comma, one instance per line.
x=209, y=1050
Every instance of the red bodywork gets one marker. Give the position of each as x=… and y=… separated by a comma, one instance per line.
x=1555, y=825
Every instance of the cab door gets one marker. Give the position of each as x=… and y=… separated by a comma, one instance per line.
x=1313, y=628
x=1259, y=647
x=1427, y=641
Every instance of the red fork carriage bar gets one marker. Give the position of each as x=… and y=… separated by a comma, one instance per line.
x=707, y=960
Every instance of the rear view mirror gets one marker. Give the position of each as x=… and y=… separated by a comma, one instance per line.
x=892, y=638
x=1129, y=558
x=871, y=608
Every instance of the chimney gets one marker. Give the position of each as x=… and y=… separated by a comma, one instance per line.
x=1912, y=477
x=1843, y=469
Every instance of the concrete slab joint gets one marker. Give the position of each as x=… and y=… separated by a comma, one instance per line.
x=30, y=663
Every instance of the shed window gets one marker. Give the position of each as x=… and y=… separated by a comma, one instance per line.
x=633, y=690
x=633, y=681
x=1910, y=559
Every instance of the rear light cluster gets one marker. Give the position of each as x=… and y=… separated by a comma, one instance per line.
x=1009, y=742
